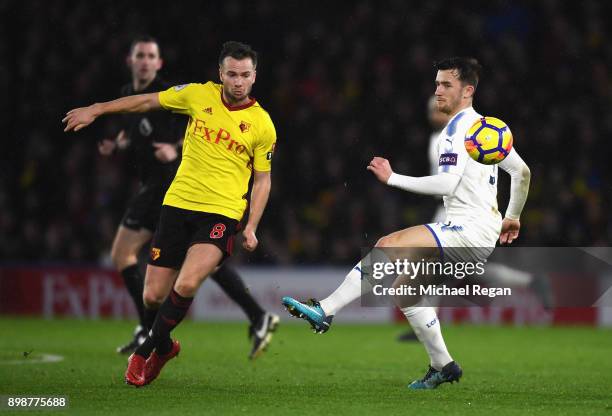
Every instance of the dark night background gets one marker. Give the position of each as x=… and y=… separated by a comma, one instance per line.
x=343, y=81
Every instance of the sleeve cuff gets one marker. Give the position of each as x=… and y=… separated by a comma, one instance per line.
x=393, y=179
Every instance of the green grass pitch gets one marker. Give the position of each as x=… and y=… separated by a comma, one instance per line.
x=352, y=370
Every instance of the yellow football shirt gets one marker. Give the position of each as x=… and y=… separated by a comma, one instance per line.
x=222, y=145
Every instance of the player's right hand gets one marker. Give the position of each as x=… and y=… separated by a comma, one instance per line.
x=381, y=168
x=79, y=118
x=510, y=231
x=106, y=147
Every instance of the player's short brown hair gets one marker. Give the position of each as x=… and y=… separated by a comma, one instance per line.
x=468, y=68
x=237, y=50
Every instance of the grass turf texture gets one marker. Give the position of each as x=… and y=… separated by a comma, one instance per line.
x=353, y=369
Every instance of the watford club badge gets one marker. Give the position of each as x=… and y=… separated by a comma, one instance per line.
x=244, y=126
x=155, y=253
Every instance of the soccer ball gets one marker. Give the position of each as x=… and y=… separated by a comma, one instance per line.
x=488, y=141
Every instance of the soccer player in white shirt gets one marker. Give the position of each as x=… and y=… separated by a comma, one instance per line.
x=473, y=222
x=497, y=274
x=472, y=219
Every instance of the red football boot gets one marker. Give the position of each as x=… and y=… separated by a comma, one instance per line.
x=156, y=362
x=134, y=374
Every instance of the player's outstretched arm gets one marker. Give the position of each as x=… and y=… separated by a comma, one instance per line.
x=82, y=117
x=519, y=189
x=262, y=183
x=440, y=184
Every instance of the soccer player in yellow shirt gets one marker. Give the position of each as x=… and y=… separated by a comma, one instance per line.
x=228, y=139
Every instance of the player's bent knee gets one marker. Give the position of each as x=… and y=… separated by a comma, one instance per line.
x=153, y=299
x=186, y=287
x=122, y=259
x=386, y=241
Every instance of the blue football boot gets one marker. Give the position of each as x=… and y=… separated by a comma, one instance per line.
x=311, y=312
x=450, y=373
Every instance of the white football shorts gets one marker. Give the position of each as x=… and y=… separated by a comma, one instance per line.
x=464, y=241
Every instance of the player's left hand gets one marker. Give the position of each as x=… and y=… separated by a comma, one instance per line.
x=510, y=231
x=165, y=152
x=381, y=168
x=250, y=240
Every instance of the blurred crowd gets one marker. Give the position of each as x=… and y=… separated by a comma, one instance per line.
x=343, y=81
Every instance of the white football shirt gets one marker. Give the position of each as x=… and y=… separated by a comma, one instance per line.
x=475, y=197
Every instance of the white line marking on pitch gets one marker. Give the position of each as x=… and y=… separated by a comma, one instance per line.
x=43, y=358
